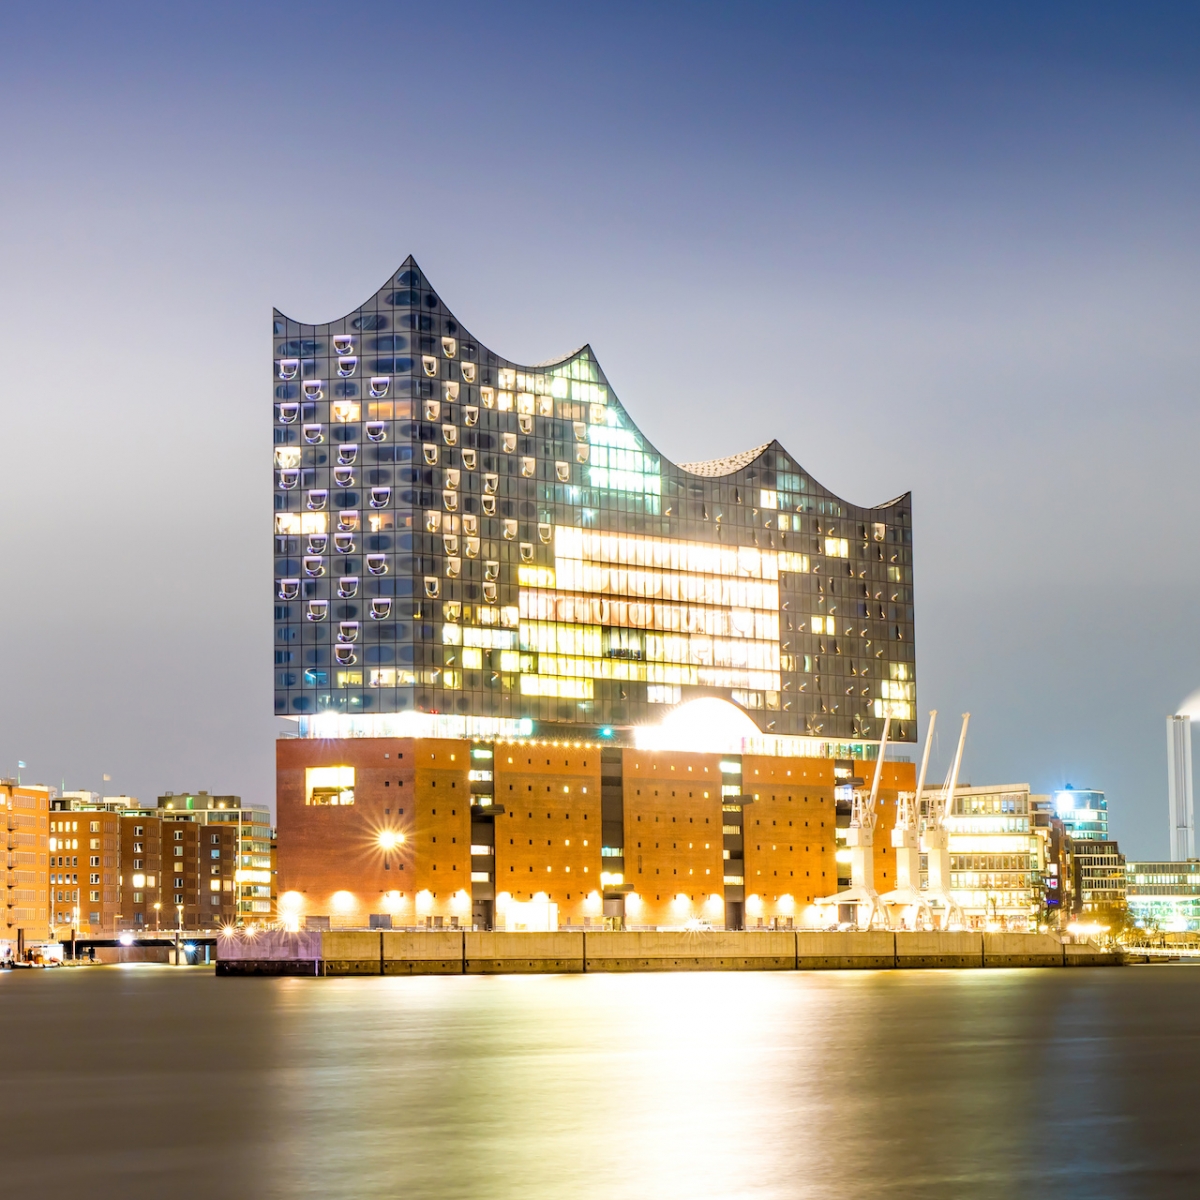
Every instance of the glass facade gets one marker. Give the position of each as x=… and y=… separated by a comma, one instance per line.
x=1164, y=895
x=1084, y=813
x=995, y=869
x=455, y=533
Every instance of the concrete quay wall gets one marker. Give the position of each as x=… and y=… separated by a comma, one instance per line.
x=463, y=952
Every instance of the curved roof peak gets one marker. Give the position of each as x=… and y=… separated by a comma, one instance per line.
x=712, y=468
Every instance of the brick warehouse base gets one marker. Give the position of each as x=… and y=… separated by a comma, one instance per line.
x=363, y=952
x=445, y=832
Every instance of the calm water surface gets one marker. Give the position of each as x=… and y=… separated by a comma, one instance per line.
x=153, y=1082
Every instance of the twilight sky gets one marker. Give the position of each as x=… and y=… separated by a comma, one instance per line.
x=951, y=248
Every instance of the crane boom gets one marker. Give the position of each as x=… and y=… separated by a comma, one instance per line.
x=936, y=839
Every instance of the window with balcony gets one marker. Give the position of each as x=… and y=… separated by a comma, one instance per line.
x=376, y=431
x=348, y=587
x=380, y=497
x=379, y=387
x=288, y=412
x=381, y=609
x=317, y=499
x=347, y=365
x=313, y=389
x=289, y=368
x=317, y=610
x=377, y=564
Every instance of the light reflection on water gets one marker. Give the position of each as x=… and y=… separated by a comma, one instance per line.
x=850, y=1084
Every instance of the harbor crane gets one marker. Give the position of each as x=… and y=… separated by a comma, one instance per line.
x=935, y=841
x=907, y=893
x=860, y=840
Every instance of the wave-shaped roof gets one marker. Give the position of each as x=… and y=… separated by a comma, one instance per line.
x=409, y=285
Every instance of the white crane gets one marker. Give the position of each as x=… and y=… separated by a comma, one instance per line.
x=906, y=841
x=860, y=839
x=935, y=841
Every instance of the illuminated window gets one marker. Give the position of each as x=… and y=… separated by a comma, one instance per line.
x=332, y=786
x=837, y=547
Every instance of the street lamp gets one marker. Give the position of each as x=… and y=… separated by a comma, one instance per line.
x=178, y=930
x=157, y=910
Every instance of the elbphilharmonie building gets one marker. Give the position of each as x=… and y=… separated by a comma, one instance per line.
x=498, y=545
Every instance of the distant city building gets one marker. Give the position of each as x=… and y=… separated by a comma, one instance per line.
x=1057, y=856
x=1164, y=895
x=1099, y=875
x=1179, y=788
x=27, y=864
x=1083, y=812
x=995, y=867
x=196, y=859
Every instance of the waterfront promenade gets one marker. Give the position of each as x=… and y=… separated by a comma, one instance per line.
x=465, y=952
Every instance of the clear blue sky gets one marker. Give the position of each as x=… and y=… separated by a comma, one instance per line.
x=951, y=248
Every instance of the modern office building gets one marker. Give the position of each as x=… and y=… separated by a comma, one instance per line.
x=475, y=557
x=1083, y=812
x=1056, y=855
x=1164, y=896
x=1100, y=875
x=995, y=857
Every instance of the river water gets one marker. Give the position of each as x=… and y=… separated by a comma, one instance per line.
x=170, y=1083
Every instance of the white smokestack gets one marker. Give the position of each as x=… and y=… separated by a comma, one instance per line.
x=1179, y=788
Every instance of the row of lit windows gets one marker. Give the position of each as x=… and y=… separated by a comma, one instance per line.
x=666, y=554
x=696, y=650
x=537, y=605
